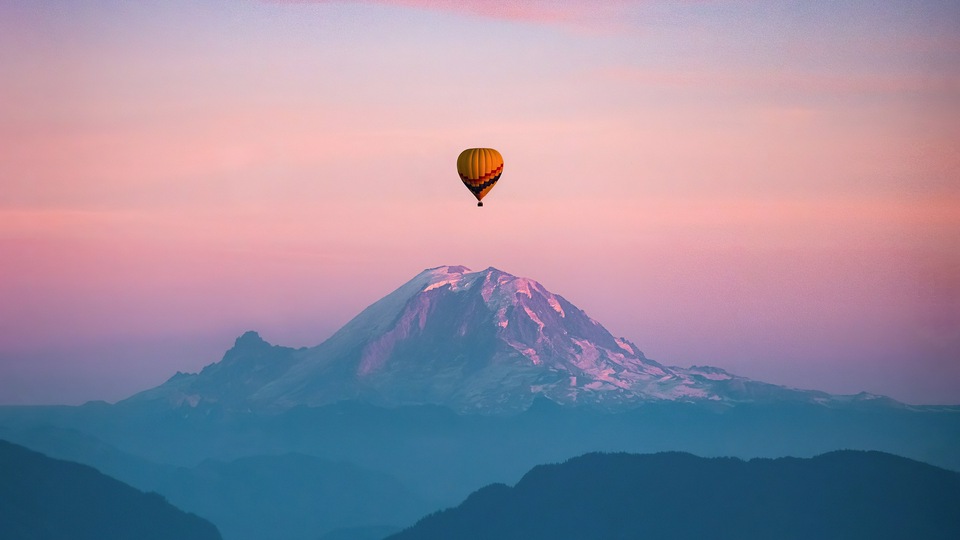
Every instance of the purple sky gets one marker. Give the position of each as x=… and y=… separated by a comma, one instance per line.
x=767, y=187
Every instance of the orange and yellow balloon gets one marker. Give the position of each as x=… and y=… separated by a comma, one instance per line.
x=480, y=168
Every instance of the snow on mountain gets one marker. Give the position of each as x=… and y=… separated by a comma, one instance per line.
x=484, y=341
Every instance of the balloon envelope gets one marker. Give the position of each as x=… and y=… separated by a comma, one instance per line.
x=479, y=169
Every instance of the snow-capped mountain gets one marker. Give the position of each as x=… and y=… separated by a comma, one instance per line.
x=482, y=341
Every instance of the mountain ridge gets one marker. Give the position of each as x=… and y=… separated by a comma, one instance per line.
x=677, y=495
x=485, y=341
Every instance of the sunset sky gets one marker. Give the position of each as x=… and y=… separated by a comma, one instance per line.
x=772, y=188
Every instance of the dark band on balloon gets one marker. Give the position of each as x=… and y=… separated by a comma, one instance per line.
x=478, y=188
x=484, y=177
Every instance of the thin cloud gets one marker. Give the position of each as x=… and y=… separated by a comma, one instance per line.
x=803, y=83
x=540, y=11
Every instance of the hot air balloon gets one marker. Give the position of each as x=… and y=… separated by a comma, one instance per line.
x=480, y=168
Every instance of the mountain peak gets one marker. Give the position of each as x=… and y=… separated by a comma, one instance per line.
x=461, y=277
x=448, y=269
x=441, y=273
x=485, y=341
x=249, y=339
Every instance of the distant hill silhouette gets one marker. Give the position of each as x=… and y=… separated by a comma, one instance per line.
x=844, y=494
x=48, y=499
x=431, y=451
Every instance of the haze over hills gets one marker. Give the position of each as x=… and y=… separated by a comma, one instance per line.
x=486, y=342
x=455, y=380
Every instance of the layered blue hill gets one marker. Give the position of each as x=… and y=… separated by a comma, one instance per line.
x=49, y=499
x=840, y=495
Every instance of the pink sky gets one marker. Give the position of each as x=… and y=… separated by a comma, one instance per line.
x=771, y=189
